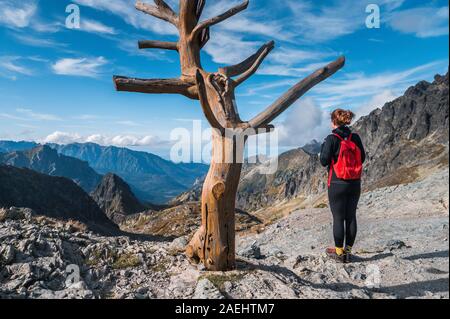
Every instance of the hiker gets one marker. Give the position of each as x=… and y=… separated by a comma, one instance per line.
x=343, y=153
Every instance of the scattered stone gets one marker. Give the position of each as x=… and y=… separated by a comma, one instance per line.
x=395, y=244
x=179, y=244
x=252, y=251
x=206, y=290
x=7, y=254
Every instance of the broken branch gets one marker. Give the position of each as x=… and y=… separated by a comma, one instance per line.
x=149, y=44
x=240, y=68
x=209, y=114
x=158, y=86
x=161, y=11
x=258, y=60
x=215, y=20
x=295, y=93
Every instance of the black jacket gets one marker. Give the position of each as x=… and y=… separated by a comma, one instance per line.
x=332, y=145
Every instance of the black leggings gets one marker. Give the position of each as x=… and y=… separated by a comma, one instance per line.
x=344, y=200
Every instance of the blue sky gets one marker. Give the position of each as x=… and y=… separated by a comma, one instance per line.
x=56, y=83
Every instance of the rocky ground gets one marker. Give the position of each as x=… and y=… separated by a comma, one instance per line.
x=402, y=252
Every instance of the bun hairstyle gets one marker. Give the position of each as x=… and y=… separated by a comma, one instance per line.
x=341, y=117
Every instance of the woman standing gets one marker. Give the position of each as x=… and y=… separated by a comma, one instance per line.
x=343, y=153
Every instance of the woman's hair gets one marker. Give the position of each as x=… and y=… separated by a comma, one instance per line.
x=341, y=117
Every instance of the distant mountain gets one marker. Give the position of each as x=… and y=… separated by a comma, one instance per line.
x=55, y=197
x=312, y=147
x=298, y=173
x=405, y=140
x=11, y=146
x=115, y=198
x=46, y=160
x=151, y=178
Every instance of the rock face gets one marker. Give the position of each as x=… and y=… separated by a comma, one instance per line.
x=298, y=174
x=408, y=135
x=151, y=178
x=312, y=147
x=56, y=197
x=46, y=160
x=115, y=198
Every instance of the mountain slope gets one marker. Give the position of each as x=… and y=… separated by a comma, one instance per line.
x=408, y=136
x=298, y=174
x=46, y=160
x=115, y=198
x=406, y=140
x=151, y=178
x=55, y=197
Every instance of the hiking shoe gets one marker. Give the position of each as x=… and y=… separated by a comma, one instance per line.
x=331, y=253
x=348, y=258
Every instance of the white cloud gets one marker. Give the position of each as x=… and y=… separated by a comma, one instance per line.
x=377, y=101
x=229, y=48
x=305, y=121
x=87, y=67
x=423, y=22
x=346, y=91
x=9, y=67
x=38, y=116
x=17, y=14
x=286, y=70
x=96, y=27
x=118, y=140
x=129, y=123
x=8, y=116
x=126, y=10
x=337, y=18
x=62, y=138
x=37, y=41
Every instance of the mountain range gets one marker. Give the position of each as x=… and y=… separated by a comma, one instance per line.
x=405, y=140
x=152, y=178
x=46, y=160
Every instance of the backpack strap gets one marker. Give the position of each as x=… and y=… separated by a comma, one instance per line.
x=349, y=138
x=330, y=174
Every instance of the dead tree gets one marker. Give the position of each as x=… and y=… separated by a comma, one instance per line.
x=214, y=242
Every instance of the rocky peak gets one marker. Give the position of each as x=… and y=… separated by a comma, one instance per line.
x=51, y=196
x=115, y=197
x=312, y=147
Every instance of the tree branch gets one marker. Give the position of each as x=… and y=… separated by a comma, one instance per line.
x=204, y=38
x=257, y=61
x=200, y=7
x=149, y=44
x=213, y=21
x=209, y=114
x=240, y=68
x=295, y=93
x=161, y=11
x=157, y=86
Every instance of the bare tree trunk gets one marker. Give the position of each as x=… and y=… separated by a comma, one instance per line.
x=214, y=242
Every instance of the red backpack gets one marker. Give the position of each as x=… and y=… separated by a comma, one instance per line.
x=349, y=163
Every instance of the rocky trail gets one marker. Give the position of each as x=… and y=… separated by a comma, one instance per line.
x=402, y=252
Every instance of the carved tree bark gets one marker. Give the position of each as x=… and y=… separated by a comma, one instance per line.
x=214, y=243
